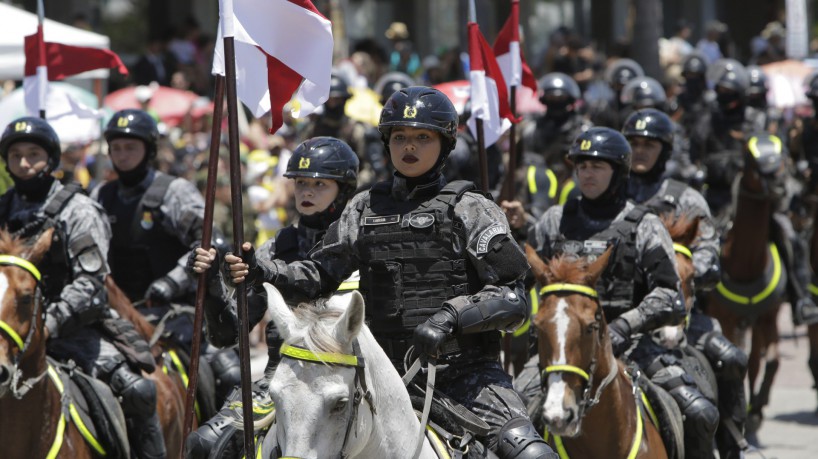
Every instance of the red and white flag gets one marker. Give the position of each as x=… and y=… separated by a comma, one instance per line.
x=54, y=61
x=489, y=96
x=290, y=42
x=509, y=56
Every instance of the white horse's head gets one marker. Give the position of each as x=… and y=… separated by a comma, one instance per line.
x=315, y=399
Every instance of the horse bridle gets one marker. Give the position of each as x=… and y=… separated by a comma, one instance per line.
x=20, y=388
x=587, y=402
x=354, y=360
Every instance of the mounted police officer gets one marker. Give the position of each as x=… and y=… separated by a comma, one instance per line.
x=155, y=219
x=78, y=322
x=650, y=133
x=463, y=163
x=608, y=112
x=694, y=104
x=325, y=171
x=439, y=269
x=639, y=290
x=770, y=117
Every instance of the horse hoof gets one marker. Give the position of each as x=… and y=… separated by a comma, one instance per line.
x=753, y=424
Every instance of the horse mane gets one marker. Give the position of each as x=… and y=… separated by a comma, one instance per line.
x=11, y=245
x=119, y=302
x=318, y=319
x=567, y=269
x=679, y=227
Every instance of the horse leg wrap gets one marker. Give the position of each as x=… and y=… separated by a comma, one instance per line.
x=519, y=440
x=763, y=396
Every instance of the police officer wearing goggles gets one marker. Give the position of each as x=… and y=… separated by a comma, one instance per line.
x=78, y=322
x=455, y=273
x=639, y=290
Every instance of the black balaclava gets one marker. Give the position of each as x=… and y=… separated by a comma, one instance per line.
x=36, y=188
x=611, y=201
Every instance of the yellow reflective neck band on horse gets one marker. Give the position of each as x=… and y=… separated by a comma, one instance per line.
x=679, y=248
x=768, y=290
x=22, y=263
x=566, y=369
x=13, y=334
x=318, y=357
x=752, y=145
x=576, y=288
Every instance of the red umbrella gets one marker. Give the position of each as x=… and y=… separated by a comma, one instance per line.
x=170, y=105
x=459, y=91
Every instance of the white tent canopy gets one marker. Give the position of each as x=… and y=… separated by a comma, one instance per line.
x=16, y=23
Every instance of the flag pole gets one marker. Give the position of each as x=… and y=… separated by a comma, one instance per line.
x=42, y=65
x=207, y=232
x=509, y=188
x=238, y=227
x=481, y=142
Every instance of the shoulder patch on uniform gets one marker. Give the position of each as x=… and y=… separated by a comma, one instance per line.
x=486, y=236
x=381, y=220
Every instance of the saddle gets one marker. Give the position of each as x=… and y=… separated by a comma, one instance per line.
x=93, y=408
x=665, y=414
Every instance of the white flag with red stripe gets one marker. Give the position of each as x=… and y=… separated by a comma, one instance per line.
x=489, y=96
x=509, y=56
x=290, y=42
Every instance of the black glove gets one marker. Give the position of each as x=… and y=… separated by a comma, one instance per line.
x=709, y=279
x=430, y=335
x=256, y=272
x=162, y=290
x=620, y=333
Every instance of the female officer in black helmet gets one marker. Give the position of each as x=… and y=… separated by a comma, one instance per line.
x=456, y=274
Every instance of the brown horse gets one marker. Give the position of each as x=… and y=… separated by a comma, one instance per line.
x=590, y=401
x=32, y=423
x=753, y=280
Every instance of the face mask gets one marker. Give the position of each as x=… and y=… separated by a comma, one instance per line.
x=728, y=100
x=36, y=188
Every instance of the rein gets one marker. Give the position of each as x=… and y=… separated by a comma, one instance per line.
x=19, y=388
x=346, y=360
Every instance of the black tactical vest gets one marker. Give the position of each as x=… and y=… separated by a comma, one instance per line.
x=408, y=263
x=620, y=286
x=141, y=250
x=55, y=267
x=668, y=201
x=809, y=141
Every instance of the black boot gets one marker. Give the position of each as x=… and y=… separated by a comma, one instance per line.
x=146, y=438
x=804, y=309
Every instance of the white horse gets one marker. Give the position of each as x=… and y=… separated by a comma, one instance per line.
x=336, y=392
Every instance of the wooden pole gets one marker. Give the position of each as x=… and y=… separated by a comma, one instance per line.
x=509, y=186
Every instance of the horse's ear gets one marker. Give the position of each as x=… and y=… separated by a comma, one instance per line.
x=538, y=266
x=596, y=268
x=352, y=320
x=691, y=231
x=281, y=314
x=40, y=247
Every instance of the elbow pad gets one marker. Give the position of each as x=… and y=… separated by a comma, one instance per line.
x=506, y=313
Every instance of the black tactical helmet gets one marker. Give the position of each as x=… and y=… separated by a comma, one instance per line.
x=326, y=158
x=622, y=71
x=729, y=74
x=391, y=82
x=338, y=87
x=420, y=107
x=602, y=143
x=758, y=81
x=134, y=123
x=644, y=92
x=650, y=123
x=557, y=84
x=35, y=130
x=693, y=65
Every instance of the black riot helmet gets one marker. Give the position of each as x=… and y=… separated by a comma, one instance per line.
x=391, y=82
x=768, y=151
x=608, y=145
x=338, y=87
x=34, y=130
x=731, y=82
x=653, y=124
x=420, y=107
x=136, y=124
x=644, y=92
x=621, y=72
x=757, y=90
x=559, y=92
x=694, y=65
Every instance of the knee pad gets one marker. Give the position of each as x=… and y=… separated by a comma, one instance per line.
x=729, y=362
x=226, y=369
x=519, y=440
x=700, y=414
x=137, y=393
x=200, y=443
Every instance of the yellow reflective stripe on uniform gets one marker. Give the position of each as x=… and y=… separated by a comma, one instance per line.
x=576, y=288
x=531, y=177
x=768, y=290
x=319, y=357
x=567, y=369
x=683, y=250
x=348, y=285
x=552, y=188
x=22, y=263
x=13, y=334
x=813, y=288
x=566, y=190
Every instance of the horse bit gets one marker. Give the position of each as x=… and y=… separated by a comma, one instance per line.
x=20, y=388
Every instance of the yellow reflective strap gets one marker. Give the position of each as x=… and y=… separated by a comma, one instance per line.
x=257, y=408
x=752, y=145
x=319, y=357
x=348, y=285
x=566, y=190
x=637, y=438
x=768, y=290
x=567, y=369
x=55, y=377
x=679, y=248
x=86, y=434
x=575, y=288
x=523, y=329
x=58, y=438
x=813, y=288
x=22, y=263
x=531, y=178
x=552, y=188
x=177, y=362
x=560, y=447
x=649, y=407
x=13, y=334
x=437, y=444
